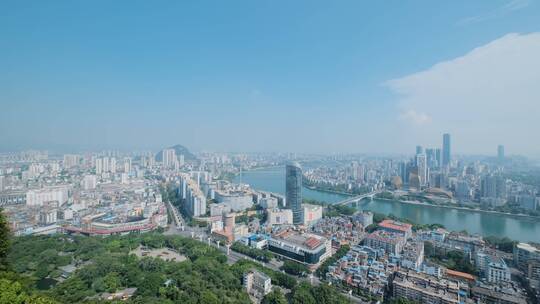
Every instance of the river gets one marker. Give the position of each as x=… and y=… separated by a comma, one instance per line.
x=522, y=229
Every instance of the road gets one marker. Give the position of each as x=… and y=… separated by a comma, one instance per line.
x=358, y=198
x=179, y=227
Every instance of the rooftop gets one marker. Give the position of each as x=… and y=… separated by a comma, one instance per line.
x=394, y=225
x=307, y=240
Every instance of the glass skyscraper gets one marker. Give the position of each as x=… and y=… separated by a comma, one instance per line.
x=293, y=191
x=446, y=150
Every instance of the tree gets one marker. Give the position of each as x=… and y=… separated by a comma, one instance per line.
x=5, y=235
x=112, y=281
x=302, y=295
x=295, y=268
x=13, y=293
x=274, y=297
x=401, y=301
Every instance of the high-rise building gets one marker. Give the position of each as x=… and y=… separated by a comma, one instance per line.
x=430, y=155
x=124, y=178
x=404, y=172
x=500, y=153
x=169, y=157
x=419, y=150
x=446, y=150
x=181, y=160
x=127, y=165
x=89, y=182
x=438, y=157
x=106, y=167
x=2, y=183
x=113, y=165
x=71, y=160
x=99, y=165
x=492, y=190
x=463, y=191
x=293, y=191
x=421, y=164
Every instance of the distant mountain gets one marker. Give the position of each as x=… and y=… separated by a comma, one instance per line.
x=179, y=149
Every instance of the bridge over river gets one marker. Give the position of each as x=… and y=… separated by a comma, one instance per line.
x=358, y=198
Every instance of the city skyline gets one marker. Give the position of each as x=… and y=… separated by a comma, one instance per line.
x=318, y=79
x=270, y=152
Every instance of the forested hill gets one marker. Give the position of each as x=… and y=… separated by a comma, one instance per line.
x=109, y=265
x=179, y=150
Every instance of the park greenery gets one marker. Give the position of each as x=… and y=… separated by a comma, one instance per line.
x=274, y=297
x=258, y=254
x=304, y=293
x=331, y=210
x=379, y=217
x=455, y=260
x=295, y=268
x=15, y=288
x=339, y=188
x=385, y=195
x=502, y=243
x=106, y=265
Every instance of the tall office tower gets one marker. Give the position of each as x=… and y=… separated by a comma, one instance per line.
x=493, y=186
x=438, y=157
x=463, y=191
x=181, y=160
x=2, y=183
x=430, y=155
x=446, y=150
x=404, y=172
x=293, y=191
x=168, y=156
x=113, y=165
x=354, y=170
x=99, y=165
x=419, y=150
x=421, y=164
x=106, y=167
x=500, y=153
x=127, y=165
x=151, y=160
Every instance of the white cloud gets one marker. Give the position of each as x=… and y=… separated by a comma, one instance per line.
x=488, y=96
x=510, y=6
x=415, y=118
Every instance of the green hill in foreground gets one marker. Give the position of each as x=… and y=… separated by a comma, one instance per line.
x=106, y=265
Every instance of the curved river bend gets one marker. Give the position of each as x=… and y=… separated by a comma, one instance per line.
x=522, y=229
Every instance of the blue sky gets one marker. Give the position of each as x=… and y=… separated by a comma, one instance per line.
x=303, y=76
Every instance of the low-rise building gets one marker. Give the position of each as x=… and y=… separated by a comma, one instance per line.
x=391, y=242
x=495, y=295
x=364, y=217
x=279, y=217
x=424, y=289
x=306, y=248
x=525, y=253
x=413, y=255
x=312, y=214
x=257, y=283
x=403, y=229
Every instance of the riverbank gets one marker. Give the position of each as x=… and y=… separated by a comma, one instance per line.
x=329, y=191
x=520, y=216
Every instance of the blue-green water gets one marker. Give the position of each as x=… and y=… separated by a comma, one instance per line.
x=522, y=229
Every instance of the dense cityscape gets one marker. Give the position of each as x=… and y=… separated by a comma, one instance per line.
x=269, y=152
x=363, y=256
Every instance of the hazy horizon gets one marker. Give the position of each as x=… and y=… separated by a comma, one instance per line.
x=306, y=77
